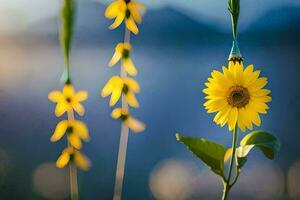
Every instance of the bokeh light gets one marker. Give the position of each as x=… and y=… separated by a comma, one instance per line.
x=51, y=182
x=172, y=179
x=293, y=181
x=261, y=180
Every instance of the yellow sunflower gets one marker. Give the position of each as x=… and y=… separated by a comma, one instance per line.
x=132, y=123
x=116, y=86
x=67, y=100
x=125, y=9
x=122, y=52
x=237, y=95
x=73, y=155
x=75, y=130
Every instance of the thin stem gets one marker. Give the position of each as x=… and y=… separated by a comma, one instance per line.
x=73, y=181
x=123, y=138
x=226, y=190
x=236, y=177
x=234, y=9
x=234, y=141
x=121, y=162
x=73, y=168
x=226, y=183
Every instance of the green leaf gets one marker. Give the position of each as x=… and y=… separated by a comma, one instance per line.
x=242, y=154
x=266, y=142
x=211, y=153
x=67, y=21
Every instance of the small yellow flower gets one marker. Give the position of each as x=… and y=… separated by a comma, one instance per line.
x=116, y=86
x=75, y=130
x=72, y=155
x=237, y=95
x=67, y=100
x=132, y=123
x=125, y=9
x=122, y=52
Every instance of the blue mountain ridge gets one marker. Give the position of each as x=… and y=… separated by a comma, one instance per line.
x=168, y=25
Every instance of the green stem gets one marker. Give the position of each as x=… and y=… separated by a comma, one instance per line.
x=226, y=182
x=226, y=190
x=123, y=140
x=234, y=9
x=73, y=182
x=73, y=168
x=66, y=34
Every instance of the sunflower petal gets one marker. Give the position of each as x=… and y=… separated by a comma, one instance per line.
x=135, y=13
x=134, y=124
x=78, y=108
x=81, y=161
x=115, y=96
x=129, y=66
x=232, y=120
x=131, y=25
x=117, y=55
x=55, y=96
x=60, y=109
x=132, y=84
x=114, y=9
x=68, y=91
x=116, y=113
x=131, y=100
x=63, y=159
x=60, y=130
x=75, y=141
x=81, y=95
x=118, y=21
x=81, y=130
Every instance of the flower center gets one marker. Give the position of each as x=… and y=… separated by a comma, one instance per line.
x=125, y=89
x=69, y=130
x=123, y=117
x=68, y=99
x=127, y=13
x=238, y=96
x=125, y=54
x=127, y=1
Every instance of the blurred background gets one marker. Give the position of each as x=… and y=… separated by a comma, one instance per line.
x=179, y=44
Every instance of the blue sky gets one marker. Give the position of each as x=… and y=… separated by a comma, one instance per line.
x=17, y=14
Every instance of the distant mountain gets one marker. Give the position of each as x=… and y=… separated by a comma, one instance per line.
x=284, y=19
x=167, y=25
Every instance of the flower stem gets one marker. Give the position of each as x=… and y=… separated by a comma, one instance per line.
x=121, y=163
x=226, y=182
x=66, y=33
x=234, y=9
x=123, y=138
x=73, y=182
x=73, y=168
x=226, y=190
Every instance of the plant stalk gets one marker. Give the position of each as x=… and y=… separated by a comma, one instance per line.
x=226, y=182
x=73, y=168
x=123, y=138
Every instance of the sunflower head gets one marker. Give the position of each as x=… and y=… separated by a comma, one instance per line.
x=237, y=95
